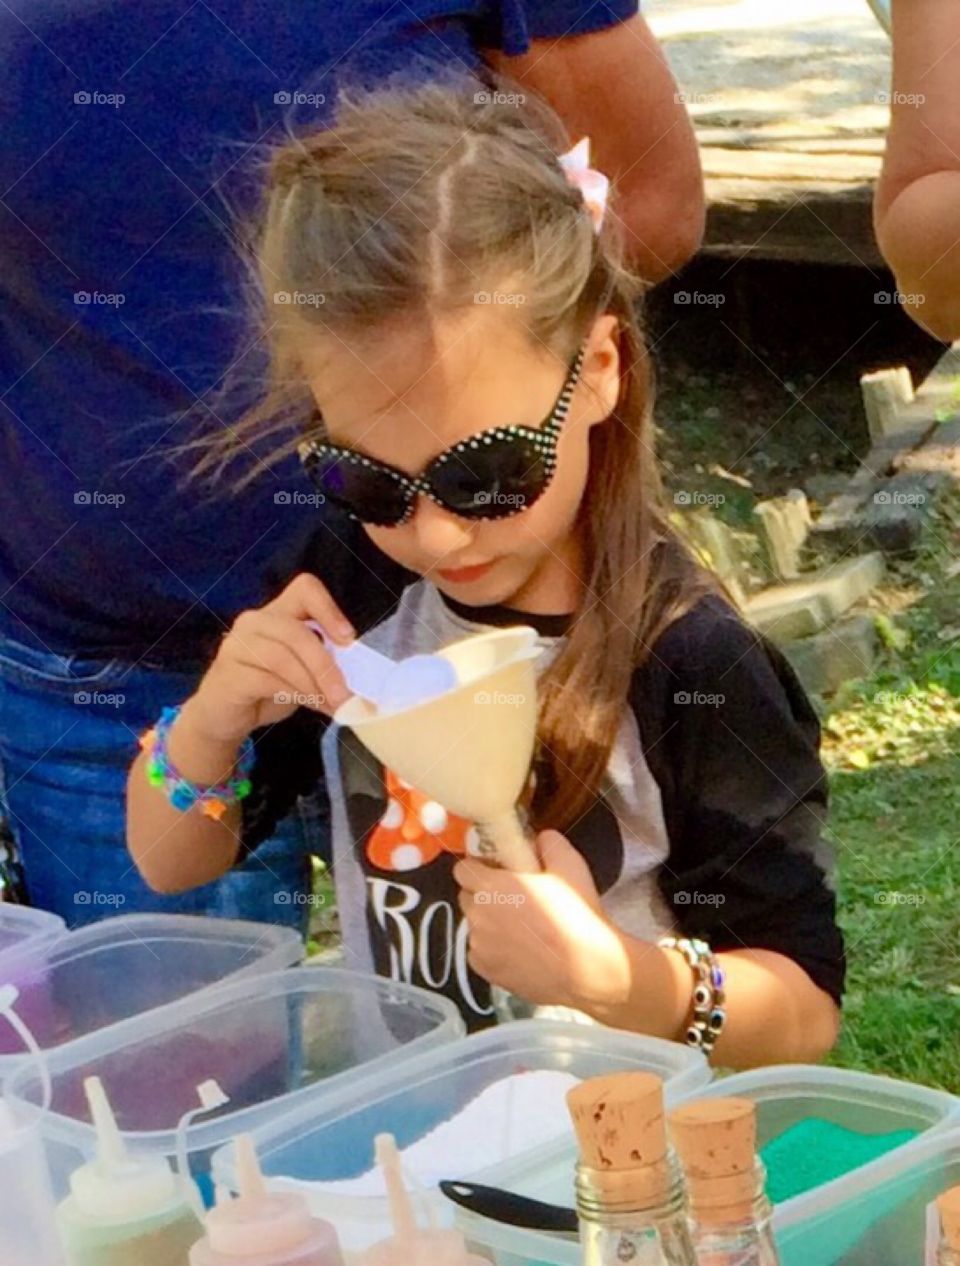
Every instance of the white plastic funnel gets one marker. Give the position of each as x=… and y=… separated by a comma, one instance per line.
x=471, y=747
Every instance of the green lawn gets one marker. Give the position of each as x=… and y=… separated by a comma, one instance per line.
x=893, y=744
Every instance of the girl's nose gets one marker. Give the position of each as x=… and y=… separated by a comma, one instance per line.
x=439, y=533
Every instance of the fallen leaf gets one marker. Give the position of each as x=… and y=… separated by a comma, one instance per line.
x=859, y=760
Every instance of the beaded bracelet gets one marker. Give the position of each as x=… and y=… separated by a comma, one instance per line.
x=709, y=994
x=181, y=792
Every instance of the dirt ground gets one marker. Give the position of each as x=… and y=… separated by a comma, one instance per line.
x=759, y=390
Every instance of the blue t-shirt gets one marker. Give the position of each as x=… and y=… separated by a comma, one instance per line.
x=130, y=138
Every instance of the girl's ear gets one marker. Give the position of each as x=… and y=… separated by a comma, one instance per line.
x=601, y=369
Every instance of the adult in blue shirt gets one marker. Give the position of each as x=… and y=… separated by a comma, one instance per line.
x=131, y=134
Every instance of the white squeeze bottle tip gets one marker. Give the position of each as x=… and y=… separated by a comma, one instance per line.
x=263, y=1226
x=117, y=1187
x=409, y=1245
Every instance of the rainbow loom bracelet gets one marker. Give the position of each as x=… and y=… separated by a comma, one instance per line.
x=181, y=792
x=709, y=996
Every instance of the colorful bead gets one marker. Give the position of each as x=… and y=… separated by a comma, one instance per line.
x=184, y=794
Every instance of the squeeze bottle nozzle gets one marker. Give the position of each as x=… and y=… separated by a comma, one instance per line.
x=117, y=1187
x=409, y=1245
x=262, y=1227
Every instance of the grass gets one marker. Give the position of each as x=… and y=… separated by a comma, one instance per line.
x=893, y=746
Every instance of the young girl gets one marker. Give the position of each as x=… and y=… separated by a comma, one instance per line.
x=451, y=326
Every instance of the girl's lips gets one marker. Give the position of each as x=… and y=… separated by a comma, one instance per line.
x=464, y=575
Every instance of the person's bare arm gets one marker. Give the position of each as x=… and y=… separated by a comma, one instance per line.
x=917, y=210
x=268, y=665
x=615, y=86
x=775, y=1012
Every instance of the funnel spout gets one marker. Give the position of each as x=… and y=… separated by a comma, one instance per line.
x=504, y=841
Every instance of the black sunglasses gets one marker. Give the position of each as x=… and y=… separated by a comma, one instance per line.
x=491, y=475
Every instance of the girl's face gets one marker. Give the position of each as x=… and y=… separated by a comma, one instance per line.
x=397, y=405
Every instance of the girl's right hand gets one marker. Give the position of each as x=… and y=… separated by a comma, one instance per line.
x=270, y=664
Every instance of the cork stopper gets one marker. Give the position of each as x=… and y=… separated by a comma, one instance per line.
x=621, y=1129
x=949, y=1208
x=619, y=1120
x=717, y=1142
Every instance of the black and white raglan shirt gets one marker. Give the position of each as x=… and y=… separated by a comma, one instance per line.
x=709, y=821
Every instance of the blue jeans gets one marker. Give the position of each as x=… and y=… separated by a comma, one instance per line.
x=68, y=735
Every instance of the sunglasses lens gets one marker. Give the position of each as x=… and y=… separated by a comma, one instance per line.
x=492, y=480
x=371, y=495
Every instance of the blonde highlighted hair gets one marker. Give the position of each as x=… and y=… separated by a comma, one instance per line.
x=416, y=199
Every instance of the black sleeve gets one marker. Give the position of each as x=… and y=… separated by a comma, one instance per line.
x=733, y=743
x=366, y=586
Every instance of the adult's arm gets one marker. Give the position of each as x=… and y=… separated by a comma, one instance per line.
x=917, y=212
x=614, y=85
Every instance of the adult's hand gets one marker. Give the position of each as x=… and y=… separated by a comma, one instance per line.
x=615, y=86
x=917, y=210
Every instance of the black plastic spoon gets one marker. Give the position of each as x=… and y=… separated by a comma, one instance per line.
x=511, y=1209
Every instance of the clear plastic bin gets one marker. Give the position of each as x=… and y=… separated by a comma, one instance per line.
x=99, y=975
x=881, y=1220
x=785, y=1095
x=23, y=930
x=26, y=937
x=334, y=1141
x=274, y=1044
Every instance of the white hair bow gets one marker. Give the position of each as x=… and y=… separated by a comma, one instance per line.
x=593, y=184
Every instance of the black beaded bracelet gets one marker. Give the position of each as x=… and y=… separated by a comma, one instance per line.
x=709, y=991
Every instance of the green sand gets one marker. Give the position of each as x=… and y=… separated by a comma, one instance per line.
x=814, y=1152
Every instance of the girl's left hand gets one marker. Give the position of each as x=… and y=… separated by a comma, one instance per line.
x=544, y=937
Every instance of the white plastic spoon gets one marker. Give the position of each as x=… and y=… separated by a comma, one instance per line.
x=389, y=683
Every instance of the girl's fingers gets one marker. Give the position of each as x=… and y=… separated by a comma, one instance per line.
x=253, y=649
x=304, y=643
x=307, y=598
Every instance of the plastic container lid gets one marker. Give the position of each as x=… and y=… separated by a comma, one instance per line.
x=274, y=1043
x=334, y=1139
x=25, y=934
x=105, y=973
x=883, y=1214
x=22, y=925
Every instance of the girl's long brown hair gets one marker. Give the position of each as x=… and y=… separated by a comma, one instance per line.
x=416, y=200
